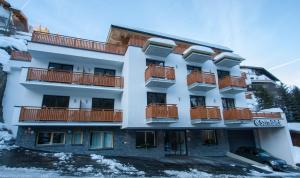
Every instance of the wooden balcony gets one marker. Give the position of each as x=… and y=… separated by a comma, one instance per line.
x=232, y=85
x=201, y=81
x=208, y=114
x=20, y=56
x=161, y=113
x=266, y=115
x=36, y=114
x=71, y=42
x=237, y=115
x=59, y=76
x=159, y=76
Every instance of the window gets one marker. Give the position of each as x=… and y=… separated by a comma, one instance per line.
x=50, y=138
x=77, y=137
x=197, y=101
x=102, y=103
x=228, y=103
x=55, y=101
x=223, y=73
x=159, y=98
x=145, y=139
x=56, y=66
x=101, y=140
x=154, y=62
x=192, y=68
x=101, y=71
x=209, y=137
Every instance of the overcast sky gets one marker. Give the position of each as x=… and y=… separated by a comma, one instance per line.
x=265, y=32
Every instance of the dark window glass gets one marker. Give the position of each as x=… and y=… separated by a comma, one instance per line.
x=44, y=138
x=102, y=103
x=58, y=138
x=55, y=101
x=145, y=139
x=158, y=98
x=197, y=101
x=77, y=137
x=57, y=66
x=100, y=140
x=101, y=71
x=223, y=73
x=209, y=137
x=228, y=103
x=155, y=62
x=192, y=68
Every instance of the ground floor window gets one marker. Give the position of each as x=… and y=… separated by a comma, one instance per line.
x=101, y=140
x=50, y=138
x=145, y=139
x=77, y=137
x=209, y=137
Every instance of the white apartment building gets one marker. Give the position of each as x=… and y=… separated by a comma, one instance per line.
x=141, y=93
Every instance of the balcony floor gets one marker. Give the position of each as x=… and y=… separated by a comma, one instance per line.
x=160, y=120
x=159, y=82
x=201, y=87
x=237, y=121
x=156, y=50
x=232, y=90
x=205, y=121
x=197, y=57
x=227, y=62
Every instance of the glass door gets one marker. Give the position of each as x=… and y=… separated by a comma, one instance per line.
x=175, y=143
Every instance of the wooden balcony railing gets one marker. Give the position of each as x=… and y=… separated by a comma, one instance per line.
x=66, y=41
x=269, y=115
x=237, y=114
x=205, y=112
x=162, y=111
x=20, y=55
x=201, y=77
x=230, y=81
x=60, y=76
x=155, y=71
x=69, y=115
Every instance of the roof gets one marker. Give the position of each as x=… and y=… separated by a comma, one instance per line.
x=263, y=70
x=171, y=37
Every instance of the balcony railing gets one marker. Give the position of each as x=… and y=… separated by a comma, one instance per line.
x=230, y=81
x=162, y=111
x=79, y=43
x=20, y=55
x=201, y=77
x=269, y=115
x=155, y=71
x=237, y=114
x=69, y=115
x=205, y=112
x=60, y=76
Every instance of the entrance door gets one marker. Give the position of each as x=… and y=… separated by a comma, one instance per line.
x=175, y=143
x=238, y=138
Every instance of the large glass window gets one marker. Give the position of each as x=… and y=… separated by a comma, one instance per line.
x=158, y=98
x=102, y=103
x=228, y=103
x=197, y=101
x=145, y=139
x=223, y=73
x=209, y=137
x=77, y=137
x=154, y=62
x=193, y=68
x=50, y=138
x=102, y=71
x=55, y=101
x=101, y=140
x=57, y=66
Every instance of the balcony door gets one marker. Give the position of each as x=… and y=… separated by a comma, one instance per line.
x=156, y=98
x=57, y=66
x=56, y=101
x=228, y=103
x=154, y=62
x=197, y=101
x=175, y=142
x=102, y=71
x=223, y=73
x=193, y=68
x=103, y=103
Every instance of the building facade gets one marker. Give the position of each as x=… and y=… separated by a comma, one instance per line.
x=140, y=93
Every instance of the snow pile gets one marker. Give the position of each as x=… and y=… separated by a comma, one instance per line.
x=186, y=174
x=115, y=167
x=86, y=169
x=63, y=157
x=5, y=137
x=13, y=43
x=27, y=172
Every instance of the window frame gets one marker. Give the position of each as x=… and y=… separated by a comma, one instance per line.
x=156, y=93
x=61, y=66
x=98, y=148
x=51, y=138
x=197, y=96
x=145, y=140
x=216, y=142
x=226, y=101
x=104, y=70
x=81, y=138
x=56, y=101
x=155, y=62
x=103, y=101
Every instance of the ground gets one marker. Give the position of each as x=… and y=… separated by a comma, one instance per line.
x=21, y=162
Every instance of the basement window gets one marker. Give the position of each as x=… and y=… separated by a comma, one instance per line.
x=50, y=138
x=145, y=139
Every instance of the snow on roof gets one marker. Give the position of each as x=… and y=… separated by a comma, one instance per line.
x=272, y=110
x=162, y=41
x=294, y=126
x=173, y=37
x=200, y=49
x=10, y=42
x=228, y=55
